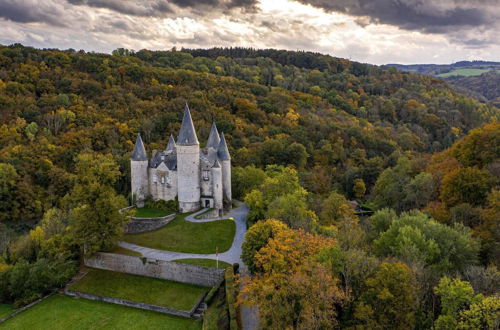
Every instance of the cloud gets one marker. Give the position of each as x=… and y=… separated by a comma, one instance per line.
x=429, y=16
x=161, y=8
x=32, y=11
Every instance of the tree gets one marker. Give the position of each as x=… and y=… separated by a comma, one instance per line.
x=257, y=237
x=389, y=301
x=359, y=188
x=334, y=209
x=96, y=221
x=292, y=210
x=245, y=179
x=466, y=185
x=8, y=189
x=418, y=239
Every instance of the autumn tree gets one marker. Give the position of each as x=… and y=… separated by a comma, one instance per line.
x=389, y=301
x=94, y=204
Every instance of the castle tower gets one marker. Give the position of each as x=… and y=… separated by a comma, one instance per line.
x=213, y=138
x=139, y=172
x=188, y=165
x=171, y=144
x=225, y=158
x=217, y=185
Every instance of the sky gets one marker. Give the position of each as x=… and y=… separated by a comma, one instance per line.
x=371, y=31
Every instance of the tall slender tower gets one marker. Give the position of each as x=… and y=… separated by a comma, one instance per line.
x=188, y=165
x=139, y=172
x=225, y=158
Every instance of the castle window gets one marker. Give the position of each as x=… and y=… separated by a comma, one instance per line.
x=206, y=175
x=162, y=180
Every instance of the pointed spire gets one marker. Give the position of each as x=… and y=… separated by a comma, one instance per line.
x=216, y=164
x=213, y=138
x=139, y=150
x=187, y=134
x=222, y=150
x=171, y=143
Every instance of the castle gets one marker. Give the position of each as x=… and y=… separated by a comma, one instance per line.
x=197, y=177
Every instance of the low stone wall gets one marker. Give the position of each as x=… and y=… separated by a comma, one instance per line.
x=140, y=225
x=166, y=270
x=21, y=309
x=129, y=303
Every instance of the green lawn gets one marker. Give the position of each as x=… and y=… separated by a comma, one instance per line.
x=63, y=312
x=140, y=289
x=5, y=309
x=210, y=263
x=464, y=72
x=183, y=236
x=120, y=250
x=150, y=213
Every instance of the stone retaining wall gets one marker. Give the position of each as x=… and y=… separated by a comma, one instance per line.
x=140, y=225
x=129, y=303
x=166, y=270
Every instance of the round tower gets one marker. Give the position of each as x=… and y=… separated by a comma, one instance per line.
x=139, y=172
x=225, y=158
x=217, y=185
x=188, y=165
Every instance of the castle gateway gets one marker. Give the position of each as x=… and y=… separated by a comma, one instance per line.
x=197, y=177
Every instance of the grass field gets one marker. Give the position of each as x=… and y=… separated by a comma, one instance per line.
x=120, y=250
x=183, y=236
x=463, y=72
x=140, y=289
x=150, y=213
x=210, y=263
x=5, y=309
x=63, y=312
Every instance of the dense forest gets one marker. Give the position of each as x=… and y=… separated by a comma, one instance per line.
x=477, y=79
x=308, y=135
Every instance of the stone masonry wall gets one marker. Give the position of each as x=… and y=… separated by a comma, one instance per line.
x=166, y=270
x=134, y=304
x=140, y=225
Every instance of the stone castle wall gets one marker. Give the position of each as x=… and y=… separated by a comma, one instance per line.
x=140, y=225
x=166, y=270
x=188, y=177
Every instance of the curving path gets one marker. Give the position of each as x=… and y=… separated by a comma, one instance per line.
x=233, y=255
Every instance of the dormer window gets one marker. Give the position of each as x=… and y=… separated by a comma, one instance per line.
x=162, y=180
x=206, y=175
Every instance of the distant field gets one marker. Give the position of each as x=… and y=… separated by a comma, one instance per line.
x=63, y=312
x=140, y=289
x=463, y=72
x=183, y=236
x=150, y=213
x=210, y=263
x=5, y=309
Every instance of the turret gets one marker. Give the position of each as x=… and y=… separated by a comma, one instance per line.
x=171, y=144
x=225, y=158
x=139, y=172
x=188, y=165
x=217, y=185
x=213, y=138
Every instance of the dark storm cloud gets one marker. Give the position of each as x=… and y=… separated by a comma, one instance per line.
x=431, y=16
x=158, y=8
x=30, y=11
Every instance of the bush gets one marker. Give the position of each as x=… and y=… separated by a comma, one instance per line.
x=25, y=282
x=231, y=298
x=171, y=205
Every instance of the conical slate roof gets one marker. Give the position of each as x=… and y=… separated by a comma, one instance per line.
x=213, y=138
x=139, y=150
x=222, y=151
x=171, y=143
x=187, y=134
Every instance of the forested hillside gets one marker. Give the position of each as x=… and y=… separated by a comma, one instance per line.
x=307, y=133
x=338, y=119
